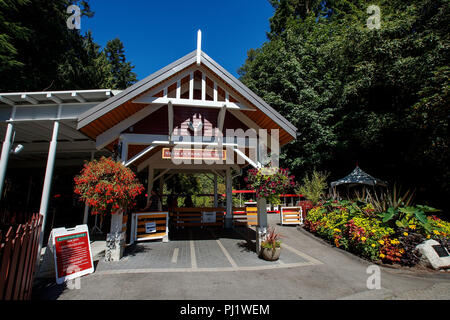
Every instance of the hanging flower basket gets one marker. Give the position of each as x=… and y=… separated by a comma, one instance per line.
x=107, y=186
x=270, y=183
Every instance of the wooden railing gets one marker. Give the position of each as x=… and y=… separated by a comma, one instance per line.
x=192, y=217
x=18, y=254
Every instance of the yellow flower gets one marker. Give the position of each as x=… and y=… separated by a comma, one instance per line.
x=413, y=227
x=382, y=256
x=401, y=251
x=380, y=241
x=373, y=245
x=405, y=234
x=436, y=232
x=363, y=239
x=337, y=230
x=428, y=236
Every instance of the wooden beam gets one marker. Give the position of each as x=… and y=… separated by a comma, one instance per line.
x=113, y=133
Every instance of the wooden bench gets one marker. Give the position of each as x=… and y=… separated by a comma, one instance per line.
x=291, y=215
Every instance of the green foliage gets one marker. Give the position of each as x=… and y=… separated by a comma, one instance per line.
x=272, y=240
x=44, y=54
x=376, y=96
x=123, y=77
x=405, y=216
x=390, y=237
x=313, y=188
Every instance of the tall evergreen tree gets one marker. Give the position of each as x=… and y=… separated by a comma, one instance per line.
x=376, y=96
x=122, y=73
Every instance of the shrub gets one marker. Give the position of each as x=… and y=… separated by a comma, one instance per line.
x=355, y=227
x=313, y=187
x=269, y=183
x=106, y=185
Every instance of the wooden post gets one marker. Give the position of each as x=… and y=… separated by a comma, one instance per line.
x=229, y=194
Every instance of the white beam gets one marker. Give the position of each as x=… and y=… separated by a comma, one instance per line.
x=191, y=86
x=203, y=86
x=178, y=89
x=78, y=97
x=145, y=139
x=7, y=101
x=192, y=103
x=6, y=149
x=243, y=155
x=29, y=99
x=199, y=47
x=215, y=92
x=54, y=98
x=140, y=155
x=45, y=199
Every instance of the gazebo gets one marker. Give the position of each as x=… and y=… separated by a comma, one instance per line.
x=358, y=178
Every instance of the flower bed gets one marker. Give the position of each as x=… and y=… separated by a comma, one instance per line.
x=355, y=227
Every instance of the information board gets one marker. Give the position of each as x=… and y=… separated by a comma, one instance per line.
x=72, y=253
x=208, y=217
x=150, y=227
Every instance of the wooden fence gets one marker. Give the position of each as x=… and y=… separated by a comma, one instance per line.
x=18, y=254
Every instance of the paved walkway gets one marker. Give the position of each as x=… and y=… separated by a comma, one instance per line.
x=201, y=250
x=220, y=264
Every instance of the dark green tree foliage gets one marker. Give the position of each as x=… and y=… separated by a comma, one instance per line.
x=10, y=29
x=38, y=52
x=379, y=97
x=121, y=70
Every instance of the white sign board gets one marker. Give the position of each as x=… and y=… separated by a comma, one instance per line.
x=72, y=253
x=150, y=227
x=208, y=217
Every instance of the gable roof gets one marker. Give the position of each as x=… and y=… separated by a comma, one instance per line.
x=359, y=177
x=172, y=69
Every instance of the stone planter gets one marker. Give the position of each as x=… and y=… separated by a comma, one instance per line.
x=270, y=254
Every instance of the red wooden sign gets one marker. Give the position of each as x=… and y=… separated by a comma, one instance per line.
x=203, y=154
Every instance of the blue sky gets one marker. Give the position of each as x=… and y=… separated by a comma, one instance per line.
x=156, y=33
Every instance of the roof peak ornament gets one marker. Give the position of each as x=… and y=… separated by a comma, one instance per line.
x=199, y=46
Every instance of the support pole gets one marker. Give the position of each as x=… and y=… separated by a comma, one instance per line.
x=150, y=183
x=45, y=199
x=6, y=149
x=229, y=193
x=216, y=200
x=261, y=228
x=86, y=207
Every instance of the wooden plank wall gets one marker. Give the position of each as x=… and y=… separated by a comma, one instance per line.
x=160, y=220
x=18, y=255
x=291, y=215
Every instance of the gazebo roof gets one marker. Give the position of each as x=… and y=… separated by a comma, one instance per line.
x=359, y=177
